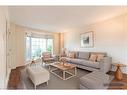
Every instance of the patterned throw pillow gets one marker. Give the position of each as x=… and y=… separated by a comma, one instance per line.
x=93, y=57
x=71, y=55
x=47, y=55
x=100, y=57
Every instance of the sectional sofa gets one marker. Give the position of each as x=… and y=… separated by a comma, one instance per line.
x=81, y=60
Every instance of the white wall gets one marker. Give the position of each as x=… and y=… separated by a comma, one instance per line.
x=109, y=36
x=61, y=41
x=12, y=46
x=3, y=66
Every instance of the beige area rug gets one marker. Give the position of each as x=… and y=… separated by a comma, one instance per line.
x=54, y=82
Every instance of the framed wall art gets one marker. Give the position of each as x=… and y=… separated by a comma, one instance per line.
x=86, y=39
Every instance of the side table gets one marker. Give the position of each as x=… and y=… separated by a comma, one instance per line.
x=118, y=72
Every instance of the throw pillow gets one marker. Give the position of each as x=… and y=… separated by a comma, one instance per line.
x=93, y=57
x=71, y=55
x=100, y=57
x=47, y=55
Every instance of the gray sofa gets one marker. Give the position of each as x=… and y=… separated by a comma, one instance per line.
x=95, y=80
x=82, y=61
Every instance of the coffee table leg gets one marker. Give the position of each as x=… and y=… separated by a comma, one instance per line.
x=64, y=75
x=75, y=71
x=49, y=67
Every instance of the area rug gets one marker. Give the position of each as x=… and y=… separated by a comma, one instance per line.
x=54, y=82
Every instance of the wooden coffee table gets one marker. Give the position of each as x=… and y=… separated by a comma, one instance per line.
x=64, y=72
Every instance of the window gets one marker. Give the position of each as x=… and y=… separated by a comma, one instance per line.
x=36, y=46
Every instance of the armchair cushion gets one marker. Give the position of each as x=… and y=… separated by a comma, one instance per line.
x=46, y=55
x=48, y=59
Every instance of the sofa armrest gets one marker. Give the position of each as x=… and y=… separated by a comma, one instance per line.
x=105, y=64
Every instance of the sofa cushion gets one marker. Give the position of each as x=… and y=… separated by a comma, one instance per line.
x=90, y=64
x=85, y=63
x=95, y=80
x=83, y=55
x=77, y=61
x=97, y=53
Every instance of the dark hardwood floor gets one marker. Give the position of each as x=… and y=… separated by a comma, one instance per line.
x=118, y=84
x=15, y=79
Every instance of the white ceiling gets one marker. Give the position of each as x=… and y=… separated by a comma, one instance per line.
x=62, y=18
